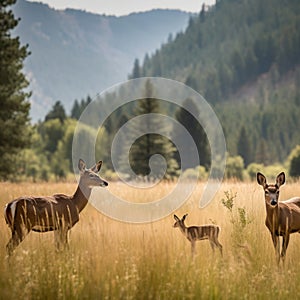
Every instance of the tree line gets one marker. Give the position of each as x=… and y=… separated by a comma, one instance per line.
x=243, y=57
x=228, y=46
x=51, y=151
x=50, y=155
x=258, y=133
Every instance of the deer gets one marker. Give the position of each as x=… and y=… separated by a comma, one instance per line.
x=57, y=213
x=195, y=233
x=283, y=218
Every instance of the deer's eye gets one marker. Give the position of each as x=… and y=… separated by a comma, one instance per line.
x=266, y=192
x=277, y=193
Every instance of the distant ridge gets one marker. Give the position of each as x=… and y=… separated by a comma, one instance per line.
x=75, y=53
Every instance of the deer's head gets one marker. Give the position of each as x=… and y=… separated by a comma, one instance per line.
x=271, y=190
x=89, y=177
x=179, y=223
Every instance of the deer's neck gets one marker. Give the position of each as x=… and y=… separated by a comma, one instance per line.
x=272, y=217
x=81, y=196
x=184, y=230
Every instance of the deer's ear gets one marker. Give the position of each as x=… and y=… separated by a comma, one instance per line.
x=280, y=180
x=81, y=165
x=96, y=168
x=176, y=218
x=261, y=179
x=183, y=218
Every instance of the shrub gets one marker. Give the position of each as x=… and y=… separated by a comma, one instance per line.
x=253, y=168
x=196, y=173
x=234, y=167
x=238, y=218
x=294, y=162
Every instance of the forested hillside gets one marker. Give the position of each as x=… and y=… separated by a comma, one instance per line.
x=243, y=57
x=75, y=53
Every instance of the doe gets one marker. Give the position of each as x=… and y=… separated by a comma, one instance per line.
x=283, y=218
x=58, y=213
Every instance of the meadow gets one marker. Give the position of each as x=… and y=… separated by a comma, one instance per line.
x=109, y=259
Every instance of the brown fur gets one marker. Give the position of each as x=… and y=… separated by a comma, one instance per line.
x=283, y=218
x=58, y=213
x=194, y=233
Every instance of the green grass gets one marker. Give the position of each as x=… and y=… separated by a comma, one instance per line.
x=108, y=259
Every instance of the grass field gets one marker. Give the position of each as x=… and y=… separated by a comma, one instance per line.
x=109, y=259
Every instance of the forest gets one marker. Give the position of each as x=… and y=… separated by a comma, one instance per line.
x=50, y=154
x=241, y=56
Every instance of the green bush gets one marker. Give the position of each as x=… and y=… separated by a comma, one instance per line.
x=196, y=173
x=273, y=170
x=294, y=162
x=253, y=168
x=234, y=167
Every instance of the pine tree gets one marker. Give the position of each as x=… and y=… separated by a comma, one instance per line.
x=294, y=162
x=57, y=112
x=75, y=111
x=262, y=153
x=202, y=13
x=136, y=73
x=14, y=112
x=244, y=146
x=150, y=144
x=79, y=107
x=191, y=124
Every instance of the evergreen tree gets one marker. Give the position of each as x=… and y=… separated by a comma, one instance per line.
x=191, y=124
x=244, y=146
x=57, y=112
x=88, y=101
x=202, y=13
x=14, y=112
x=136, y=73
x=83, y=104
x=294, y=161
x=75, y=111
x=78, y=108
x=51, y=132
x=262, y=154
x=150, y=144
x=191, y=82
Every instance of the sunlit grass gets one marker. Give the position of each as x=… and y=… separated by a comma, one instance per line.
x=109, y=259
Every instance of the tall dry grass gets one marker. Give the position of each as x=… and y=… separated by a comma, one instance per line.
x=109, y=259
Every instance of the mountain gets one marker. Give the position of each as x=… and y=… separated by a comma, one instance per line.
x=243, y=57
x=75, y=53
x=230, y=44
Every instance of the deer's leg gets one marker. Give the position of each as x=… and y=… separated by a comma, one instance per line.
x=276, y=244
x=61, y=238
x=193, y=247
x=65, y=238
x=18, y=235
x=12, y=244
x=212, y=244
x=58, y=239
x=285, y=243
x=218, y=244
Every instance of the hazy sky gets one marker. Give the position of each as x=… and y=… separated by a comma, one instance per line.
x=124, y=7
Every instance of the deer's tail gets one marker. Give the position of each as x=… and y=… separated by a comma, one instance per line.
x=9, y=213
